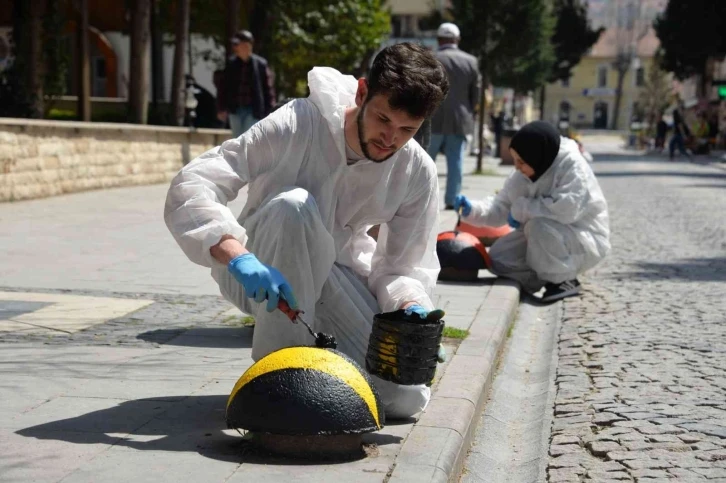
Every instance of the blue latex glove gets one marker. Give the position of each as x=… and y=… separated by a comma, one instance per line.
x=463, y=203
x=437, y=314
x=512, y=222
x=261, y=281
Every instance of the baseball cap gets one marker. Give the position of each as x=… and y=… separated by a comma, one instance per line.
x=243, y=36
x=448, y=31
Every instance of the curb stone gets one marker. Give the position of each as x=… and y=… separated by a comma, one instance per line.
x=436, y=447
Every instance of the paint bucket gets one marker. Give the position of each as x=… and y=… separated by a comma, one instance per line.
x=402, y=351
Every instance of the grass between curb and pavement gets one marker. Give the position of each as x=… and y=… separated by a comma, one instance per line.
x=436, y=447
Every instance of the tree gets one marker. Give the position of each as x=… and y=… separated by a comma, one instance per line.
x=177, y=81
x=572, y=38
x=692, y=33
x=630, y=31
x=84, y=64
x=511, y=41
x=139, y=65
x=657, y=93
x=318, y=32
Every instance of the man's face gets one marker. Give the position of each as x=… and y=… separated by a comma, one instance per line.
x=383, y=130
x=243, y=49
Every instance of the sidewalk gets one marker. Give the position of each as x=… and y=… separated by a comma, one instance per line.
x=118, y=355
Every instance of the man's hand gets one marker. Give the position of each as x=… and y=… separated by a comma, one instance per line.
x=222, y=116
x=261, y=281
x=462, y=203
x=412, y=309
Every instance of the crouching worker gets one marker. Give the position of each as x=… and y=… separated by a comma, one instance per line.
x=557, y=209
x=320, y=172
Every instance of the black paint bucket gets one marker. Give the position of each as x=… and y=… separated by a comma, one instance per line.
x=402, y=351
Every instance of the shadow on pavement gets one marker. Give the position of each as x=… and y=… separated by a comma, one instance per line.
x=192, y=424
x=688, y=270
x=216, y=337
x=710, y=186
x=655, y=174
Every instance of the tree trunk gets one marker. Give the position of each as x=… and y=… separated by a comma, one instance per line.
x=542, y=94
x=157, y=57
x=231, y=25
x=35, y=57
x=618, y=97
x=84, y=63
x=482, y=116
x=139, y=66
x=180, y=41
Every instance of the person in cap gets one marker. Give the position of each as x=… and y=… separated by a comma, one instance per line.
x=454, y=119
x=557, y=208
x=245, y=92
x=320, y=171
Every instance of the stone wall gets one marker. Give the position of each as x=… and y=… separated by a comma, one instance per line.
x=47, y=158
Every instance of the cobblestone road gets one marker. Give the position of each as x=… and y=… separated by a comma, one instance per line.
x=641, y=381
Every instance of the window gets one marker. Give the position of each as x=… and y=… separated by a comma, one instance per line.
x=640, y=77
x=566, y=82
x=602, y=76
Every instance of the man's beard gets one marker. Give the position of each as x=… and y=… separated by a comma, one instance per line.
x=363, y=143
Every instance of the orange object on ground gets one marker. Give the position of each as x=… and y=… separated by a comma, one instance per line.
x=461, y=256
x=487, y=234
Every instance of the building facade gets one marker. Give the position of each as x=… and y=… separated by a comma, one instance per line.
x=587, y=99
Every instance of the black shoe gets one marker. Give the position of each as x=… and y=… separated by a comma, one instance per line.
x=449, y=207
x=558, y=291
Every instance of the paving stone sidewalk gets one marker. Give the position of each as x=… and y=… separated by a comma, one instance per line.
x=134, y=388
x=642, y=355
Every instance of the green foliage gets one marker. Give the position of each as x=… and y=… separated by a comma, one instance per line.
x=573, y=37
x=454, y=333
x=16, y=98
x=511, y=39
x=56, y=55
x=691, y=32
x=306, y=33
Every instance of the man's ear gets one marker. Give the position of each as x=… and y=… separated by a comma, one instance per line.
x=362, y=92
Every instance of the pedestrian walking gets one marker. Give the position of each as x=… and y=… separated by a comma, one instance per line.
x=661, y=129
x=498, y=128
x=320, y=171
x=454, y=119
x=554, y=203
x=246, y=91
x=680, y=134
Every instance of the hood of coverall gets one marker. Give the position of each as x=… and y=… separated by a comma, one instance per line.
x=332, y=92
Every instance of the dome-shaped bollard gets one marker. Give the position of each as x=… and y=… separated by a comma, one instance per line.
x=306, y=401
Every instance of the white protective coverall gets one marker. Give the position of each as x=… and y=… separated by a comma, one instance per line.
x=307, y=214
x=564, y=222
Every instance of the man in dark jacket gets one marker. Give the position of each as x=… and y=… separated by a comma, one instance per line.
x=454, y=118
x=246, y=92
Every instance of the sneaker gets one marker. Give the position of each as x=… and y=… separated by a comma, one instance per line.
x=557, y=291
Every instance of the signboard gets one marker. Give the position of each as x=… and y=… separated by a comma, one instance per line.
x=722, y=92
x=598, y=92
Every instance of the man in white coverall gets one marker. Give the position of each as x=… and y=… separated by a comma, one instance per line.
x=321, y=171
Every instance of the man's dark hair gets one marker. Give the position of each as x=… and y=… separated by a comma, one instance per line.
x=411, y=76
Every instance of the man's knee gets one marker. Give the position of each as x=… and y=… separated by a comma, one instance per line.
x=401, y=402
x=408, y=401
x=292, y=200
x=291, y=207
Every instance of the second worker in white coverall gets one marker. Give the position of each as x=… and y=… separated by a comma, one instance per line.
x=320, y=172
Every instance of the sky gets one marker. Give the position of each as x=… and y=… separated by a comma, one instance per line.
x=604, y=13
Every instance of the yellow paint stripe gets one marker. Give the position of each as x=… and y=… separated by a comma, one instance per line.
x=314, y=359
